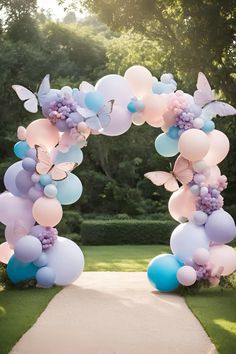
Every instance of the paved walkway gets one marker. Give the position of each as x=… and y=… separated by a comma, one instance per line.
x=115, y=313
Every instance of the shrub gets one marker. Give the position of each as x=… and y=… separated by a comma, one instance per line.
x=70, y=223
x=117, y=232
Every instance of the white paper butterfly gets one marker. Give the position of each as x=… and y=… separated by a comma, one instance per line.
x=31, y=99
x=205, y=98
x=97, y=121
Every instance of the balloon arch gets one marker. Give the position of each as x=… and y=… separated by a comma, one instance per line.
x=50, y=148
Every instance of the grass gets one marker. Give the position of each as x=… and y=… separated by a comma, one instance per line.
x=121, y=258
x=216, y=310
x=19, y=309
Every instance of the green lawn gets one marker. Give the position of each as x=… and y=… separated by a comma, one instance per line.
x=216, y=310
x=120, y=258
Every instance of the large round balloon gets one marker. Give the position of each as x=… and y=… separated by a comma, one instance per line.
x=10, y=177
x=186, y=238
x=18, y=271
x=194, y=144
x=24, y=182
x=121, y=120
x=42, y=132
x=140, y=80
x=220, y=227
x=5, y=252
x=165, y=146
x=162, y=272
x=69, y=190
x=28, y=249
x=47, y=211
x=182, y=204
x=223, y=256
x=219, y=148
x=66, y=259
x=15, y=209
x=154, y=108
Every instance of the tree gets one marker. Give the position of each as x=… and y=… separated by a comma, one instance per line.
x=70, y=18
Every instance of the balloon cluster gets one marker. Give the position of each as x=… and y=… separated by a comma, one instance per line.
x=50, y=148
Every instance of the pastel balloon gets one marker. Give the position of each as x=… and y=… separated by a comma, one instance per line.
x=212, y=174
x=115, y=87
x=20, y=149
x=42, y=260
x=182, y=204
x=21, y=133
x=201, y=256
x=10, y=178
x=29, y=164
x=94, y=100
x=194, y=144
x=187, y=275
x=138, y=118
x=154, y=108
x=28, y=249
x=121, y=121
x=13, y=208
x=66, y=260
x=199, y=165
x=199, y=217
x=5, y=252
x=45, y=277
x=186, y=238
x=74, y=154
x=69, y=190
x=140, y=79
x=47, y=212
x=23, y=181
x=166, y=146
x=218, y=149
x=223, y=256
x=162, y=272
x=42, y=132
x=18, y=271
x=220, y=227
x=50, y=190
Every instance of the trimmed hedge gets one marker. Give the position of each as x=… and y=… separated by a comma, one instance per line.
x=119, y=232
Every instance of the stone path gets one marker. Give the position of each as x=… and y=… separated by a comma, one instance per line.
x=115, y=313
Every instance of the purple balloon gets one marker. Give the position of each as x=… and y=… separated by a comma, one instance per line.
x=34, y=194
x=37, y=230
x=220, y=227
x=31, y=153
x=61, y=125
x=28, y=164
x=23, y=181
x=10, y=177
x=28, y=249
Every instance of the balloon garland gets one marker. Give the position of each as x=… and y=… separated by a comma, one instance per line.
x=50, y=148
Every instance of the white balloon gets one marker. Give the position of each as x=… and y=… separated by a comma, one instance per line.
x=186, y=238
x=67, y=261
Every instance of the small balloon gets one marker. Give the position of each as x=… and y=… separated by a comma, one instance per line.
x=166, y=146
x=5, y=252
x=20, y=149
x=28, y=249
x=187, y=275
x=47, y=212
x=69, y=190
x=45, y=277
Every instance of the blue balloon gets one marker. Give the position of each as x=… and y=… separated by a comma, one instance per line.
x=45, y=277
x=173, y=132
x=94, y=100
x=132, y=107
x=166, y=146
x=74, y=154
x=18, y=271
x=208, y=126
x=42, y=260
x=69, y=190
x=45, y=179
x=159, y=88
x=21, y=148
x=162, y=272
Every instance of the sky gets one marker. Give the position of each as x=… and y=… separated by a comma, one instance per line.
x=57, y=11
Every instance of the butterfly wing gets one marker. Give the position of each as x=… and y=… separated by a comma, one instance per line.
x=171, y=185
x=85, y=112
x=60, y=171
x=44, y=160
x=86, y=87
x=182, y=170
x=44, y=87
x=31, y=102
x=107, y=108
x=204, y=94
x=31, y=105
x=219, y=108
x=158, y=177
x=102, y=119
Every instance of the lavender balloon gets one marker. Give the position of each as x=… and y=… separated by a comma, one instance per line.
x=220, y=227
x=10, y=177
x=28, y=249
x=23, y=181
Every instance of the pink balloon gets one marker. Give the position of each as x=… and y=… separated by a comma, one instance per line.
x=15, y=231
x=194, y=144
x=140, y=80
x=187, y=275
x=47, y=211
x=15, y=209
x=219, y=147
x=5, y=253
x=154, y=108
x=212, y=174
x=121, y=120
x=21, y=133
x=182, y=204
x=201, y=256
x=223, y=255
x=42, y=132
